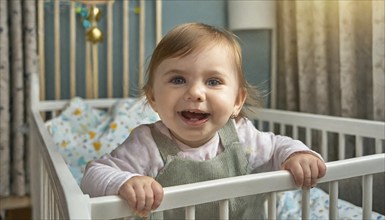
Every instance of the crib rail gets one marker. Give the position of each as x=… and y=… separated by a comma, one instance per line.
x=271, y=182
x=343, y=127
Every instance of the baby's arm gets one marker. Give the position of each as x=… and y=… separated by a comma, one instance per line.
x=306, y=168
x=142, y=194
x=128, y=172
x=268, y=152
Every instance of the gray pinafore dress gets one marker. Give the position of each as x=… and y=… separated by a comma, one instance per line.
x=231, y=162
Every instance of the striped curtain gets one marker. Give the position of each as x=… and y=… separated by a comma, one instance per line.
x=331, y=61
x=331, y=58
x=18, y=61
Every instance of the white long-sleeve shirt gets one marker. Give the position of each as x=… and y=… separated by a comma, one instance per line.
x=139, y=155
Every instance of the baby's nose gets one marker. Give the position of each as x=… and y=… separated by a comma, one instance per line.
x=196, y=92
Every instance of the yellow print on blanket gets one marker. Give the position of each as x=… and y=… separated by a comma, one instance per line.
x=92, y=134
x=77, y=112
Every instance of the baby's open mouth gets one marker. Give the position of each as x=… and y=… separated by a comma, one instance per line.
x=194, y=116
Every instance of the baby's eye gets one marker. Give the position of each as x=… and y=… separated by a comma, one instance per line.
x=177, y=80
x=213, y=82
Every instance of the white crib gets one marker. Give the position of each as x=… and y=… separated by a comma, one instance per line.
x=56, y=194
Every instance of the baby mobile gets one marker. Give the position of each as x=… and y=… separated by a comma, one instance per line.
x=90, y=15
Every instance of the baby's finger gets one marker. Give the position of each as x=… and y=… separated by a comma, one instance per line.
x=140, y=199
x=158, y=194
x=130, y=197
x=128, y=193
x=307, y=176
x=321, y=168
x=149, y=198
x=297, y=173
x=314, y=174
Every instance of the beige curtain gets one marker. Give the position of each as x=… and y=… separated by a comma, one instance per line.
x=331, y=57
x=18, y=61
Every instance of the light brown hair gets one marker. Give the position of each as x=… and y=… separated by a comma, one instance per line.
x=191, y=37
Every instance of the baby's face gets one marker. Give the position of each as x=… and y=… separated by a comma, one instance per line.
x=195, y=95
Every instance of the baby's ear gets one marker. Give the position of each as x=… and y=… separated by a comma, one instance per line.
x=151, y=100
x=240, y=101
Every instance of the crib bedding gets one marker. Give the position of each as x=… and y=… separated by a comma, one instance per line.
x=82, y=133
x=289, y=206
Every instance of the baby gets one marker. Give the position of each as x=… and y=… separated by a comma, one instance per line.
x=197, y=86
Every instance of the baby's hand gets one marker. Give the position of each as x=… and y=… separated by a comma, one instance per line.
x=305, y=168
x=142, y=194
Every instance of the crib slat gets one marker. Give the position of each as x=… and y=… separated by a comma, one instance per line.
x=295, y=132
x=158, y=9
x=142, y=22
x=324, y=146
x=333, y=198
x=126, y=40
x=359, y=148
x=95, y=69
x=57, y=213
x=46, y=196
x=49, y=200
x=89, y=79
x=341, y=146
x=109, y=50
x=190, y=212
x=272, y=208
x=308, y=137
x=52, y=202
x=44, y=192
x=260, y=125
x=224, y=209
x=305, y=204
x=282, y=129
x=72, y=49
x=53, y=113
x=57, y=48
x=378, y=146
x=54, y=206
x=271, y=126
x=36, y=171
x=367, y=192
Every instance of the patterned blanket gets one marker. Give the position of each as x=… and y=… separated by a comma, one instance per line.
x=82, y=133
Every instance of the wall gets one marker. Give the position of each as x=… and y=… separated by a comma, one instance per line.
x=256, y=52
x=255, y=43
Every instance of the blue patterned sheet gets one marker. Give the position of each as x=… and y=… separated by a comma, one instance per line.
x=289, y=206
x=82, y=133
